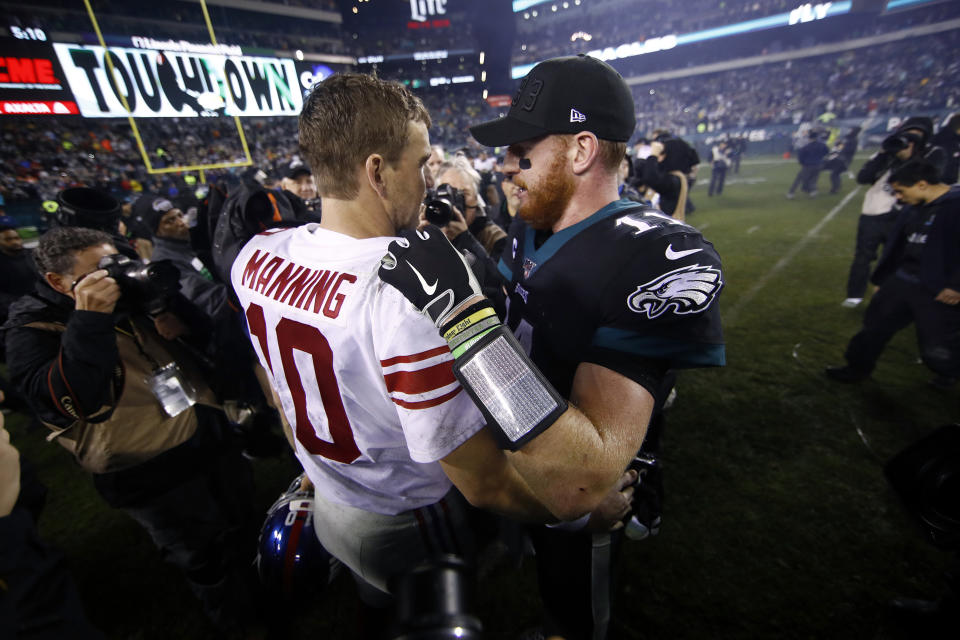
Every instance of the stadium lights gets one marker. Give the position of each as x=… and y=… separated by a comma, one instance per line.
x=581, y=35
x=485, y=93
x=482, y=56
x=483, y=76
x=355, y=10
x=298, y=54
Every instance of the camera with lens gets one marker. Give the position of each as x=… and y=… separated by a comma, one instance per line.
x=143, y=287
x=899, y=141
x=440, y=203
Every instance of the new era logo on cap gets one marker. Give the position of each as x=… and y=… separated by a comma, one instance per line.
x=576, y=116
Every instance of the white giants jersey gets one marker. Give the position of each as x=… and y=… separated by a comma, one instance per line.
x=365, y=380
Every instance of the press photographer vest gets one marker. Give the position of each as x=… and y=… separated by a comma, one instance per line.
x=138, y=429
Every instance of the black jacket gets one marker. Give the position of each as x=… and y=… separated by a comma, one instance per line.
x=197, y=284
x=656, y=176
x=940, y=262
x=82, y=364
x=949, y=141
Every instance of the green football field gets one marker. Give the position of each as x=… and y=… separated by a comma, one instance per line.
x=778, y=522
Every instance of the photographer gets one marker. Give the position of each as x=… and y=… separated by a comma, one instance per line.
x=119, y=393
x=654, y=172
x=444, y=207
x=459, y=174
x=880, y=208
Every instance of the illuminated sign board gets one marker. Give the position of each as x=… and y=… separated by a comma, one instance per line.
x=170, y=83
x=32, y=81
x=184, y=46
x=440, y=54
x=635, y=48
x=310, y=73
x=434, y=82
x=809, y=12
x=420, y=10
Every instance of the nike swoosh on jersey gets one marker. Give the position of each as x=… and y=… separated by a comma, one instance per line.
x=676, y=255
x=430, y=289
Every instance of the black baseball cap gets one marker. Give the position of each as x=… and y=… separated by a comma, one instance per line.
x=296, y=169
x=565, y=95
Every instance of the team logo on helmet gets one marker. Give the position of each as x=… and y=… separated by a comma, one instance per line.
x=689, y=289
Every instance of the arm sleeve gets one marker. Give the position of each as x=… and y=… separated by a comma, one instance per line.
x=66, y=376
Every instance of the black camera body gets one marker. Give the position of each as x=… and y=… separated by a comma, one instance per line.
x=440, y=203
x=143, y=287
x=899, y=141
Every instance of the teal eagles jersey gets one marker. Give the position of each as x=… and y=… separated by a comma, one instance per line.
x=628, y=288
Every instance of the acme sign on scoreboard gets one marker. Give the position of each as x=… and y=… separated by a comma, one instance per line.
x=156, y=83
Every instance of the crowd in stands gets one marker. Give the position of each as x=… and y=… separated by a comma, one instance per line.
x=185, y=21
x=543, y=37
x=911, y=76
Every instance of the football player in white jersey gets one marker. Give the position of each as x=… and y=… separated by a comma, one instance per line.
x=382, y=427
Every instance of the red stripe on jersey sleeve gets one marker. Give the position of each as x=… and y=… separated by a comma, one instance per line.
x=426, y=404
x=417, y=357
x=422, y=380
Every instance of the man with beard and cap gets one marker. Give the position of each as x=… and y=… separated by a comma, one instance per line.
x=606, y=296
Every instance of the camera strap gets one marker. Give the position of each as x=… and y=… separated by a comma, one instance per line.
x=134, y=334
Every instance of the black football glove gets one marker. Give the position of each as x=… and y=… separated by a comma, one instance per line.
x=429, y=272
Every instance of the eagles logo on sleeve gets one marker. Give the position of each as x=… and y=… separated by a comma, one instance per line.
x=689, y=289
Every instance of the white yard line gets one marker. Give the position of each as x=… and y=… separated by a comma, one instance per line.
x=730, y=317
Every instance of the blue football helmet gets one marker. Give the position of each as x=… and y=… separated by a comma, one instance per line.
x=290, y=559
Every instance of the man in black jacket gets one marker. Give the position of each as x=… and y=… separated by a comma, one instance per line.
x=232, y=376
x=118, y=392
x=810, y=156
x=919, y=279
x=18, y=275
